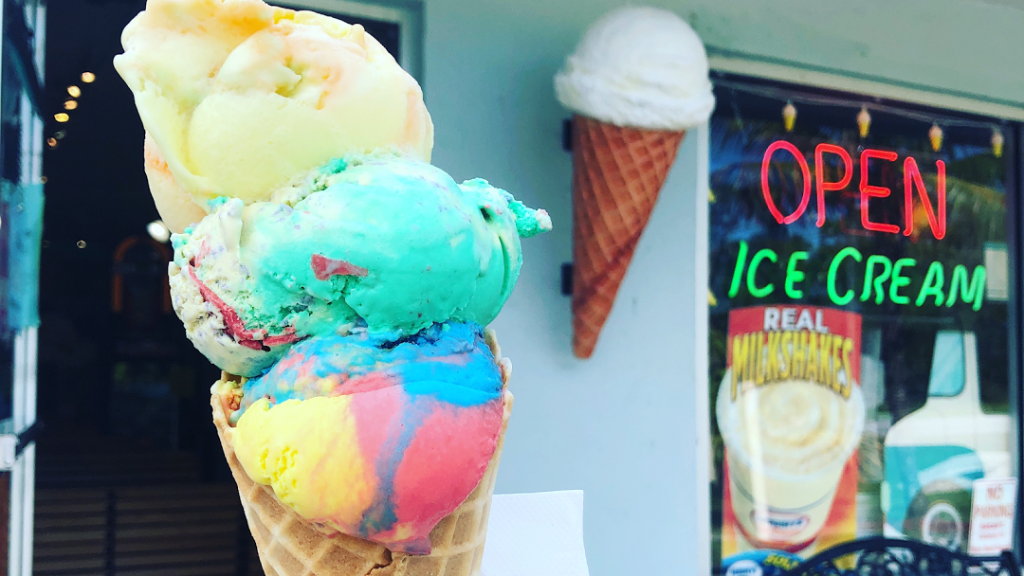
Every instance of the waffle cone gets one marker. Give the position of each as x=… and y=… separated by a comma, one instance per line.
x=617, y=174
x=290, y=545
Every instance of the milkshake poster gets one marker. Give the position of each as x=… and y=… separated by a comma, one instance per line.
x=791, y=413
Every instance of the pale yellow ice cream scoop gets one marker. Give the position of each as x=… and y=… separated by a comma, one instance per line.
x=239, y=98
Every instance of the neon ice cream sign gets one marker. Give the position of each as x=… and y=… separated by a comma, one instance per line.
x=882, y=277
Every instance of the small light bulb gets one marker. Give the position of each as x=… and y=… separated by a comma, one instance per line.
x=51, y=142
x=158, y=231
x=88, y=77
x=997, y=143
x=80, y=243
x=59, y=134
x=864, y=122
x=935, y=135
x=61, y=117
x=789, y=116
x=74, y=91
x=42, y=179
x=70, y=104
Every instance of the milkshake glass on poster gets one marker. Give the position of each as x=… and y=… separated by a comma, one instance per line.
x=791, y=414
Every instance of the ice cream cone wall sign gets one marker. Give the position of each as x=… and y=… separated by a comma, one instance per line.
x=628, y=122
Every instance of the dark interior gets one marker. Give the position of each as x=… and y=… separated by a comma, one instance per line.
x=129, y=442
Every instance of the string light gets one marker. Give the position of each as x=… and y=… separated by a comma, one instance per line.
x=74, y=91
x=80, y=244
x=70, y=104
x=59, y=134
x=789, y=116
x=935, y=135
x=51, y=142
x=997, y=142
x=864, y=122
x=88, y=77
x=61, y=117
x=788, y=95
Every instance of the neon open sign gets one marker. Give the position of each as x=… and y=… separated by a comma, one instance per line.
x=881, y=278
x=911, y=181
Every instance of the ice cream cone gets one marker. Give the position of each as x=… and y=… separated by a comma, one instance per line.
x=617, y=174
x=290, y=545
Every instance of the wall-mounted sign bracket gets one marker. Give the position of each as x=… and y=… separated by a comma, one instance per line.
x=12, y=445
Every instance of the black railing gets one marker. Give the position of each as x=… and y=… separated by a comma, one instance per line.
x=891, y=557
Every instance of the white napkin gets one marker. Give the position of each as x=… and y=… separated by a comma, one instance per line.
x=536, y=535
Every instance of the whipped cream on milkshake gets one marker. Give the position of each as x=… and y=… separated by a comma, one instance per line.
x=787, y=445
x=794, y=427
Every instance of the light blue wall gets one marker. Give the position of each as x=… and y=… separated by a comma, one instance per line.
x=623, y=425
x=959, y=47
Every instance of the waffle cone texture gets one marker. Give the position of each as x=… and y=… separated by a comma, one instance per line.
x=290, y=545
x=617, y=175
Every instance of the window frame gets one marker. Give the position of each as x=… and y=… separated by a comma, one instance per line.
x=1014, y=153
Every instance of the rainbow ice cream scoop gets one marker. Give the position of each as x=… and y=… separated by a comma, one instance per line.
x=238, y=98
x=374, y=437
x=385, y=240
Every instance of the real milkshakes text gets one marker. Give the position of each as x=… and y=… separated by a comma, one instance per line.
x=792, y=346
x=903, y=281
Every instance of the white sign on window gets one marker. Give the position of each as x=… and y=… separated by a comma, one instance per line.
x=992, y=513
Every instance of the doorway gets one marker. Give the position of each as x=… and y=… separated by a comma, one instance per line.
x=130, y=476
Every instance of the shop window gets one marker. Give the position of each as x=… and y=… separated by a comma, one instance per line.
x=859, y=319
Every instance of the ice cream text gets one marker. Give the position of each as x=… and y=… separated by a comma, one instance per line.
x=880, y=278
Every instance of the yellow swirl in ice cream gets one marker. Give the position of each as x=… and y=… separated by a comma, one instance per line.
x=796, y=427
x=239, y=98
x=174, y=204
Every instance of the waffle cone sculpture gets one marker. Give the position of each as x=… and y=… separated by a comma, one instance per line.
x=290, y=545
x=637, y=81
x=617, y=174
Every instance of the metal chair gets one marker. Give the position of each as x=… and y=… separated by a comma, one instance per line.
x=891, y=557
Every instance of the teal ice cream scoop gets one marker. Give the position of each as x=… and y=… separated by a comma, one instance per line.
x=382, y=240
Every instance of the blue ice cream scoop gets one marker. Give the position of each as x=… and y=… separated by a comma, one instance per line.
x=385, y=240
